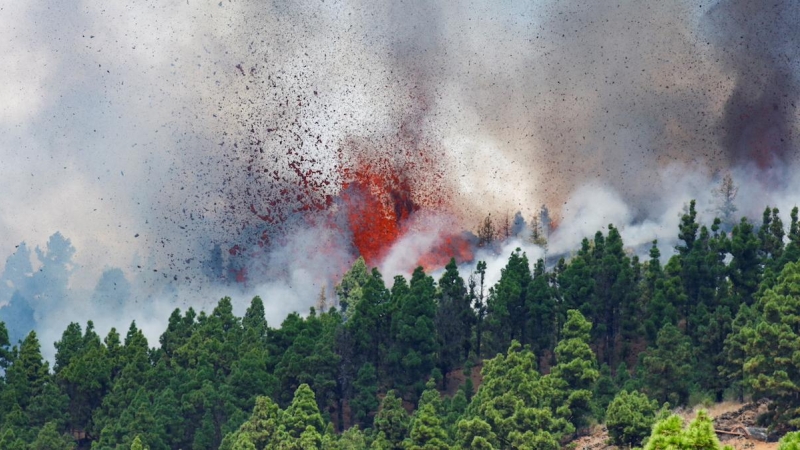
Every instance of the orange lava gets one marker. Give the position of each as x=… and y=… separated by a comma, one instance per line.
x=454, y=246
x=380, y=201
x=377, y=204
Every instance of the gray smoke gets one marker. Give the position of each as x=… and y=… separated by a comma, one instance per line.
x=575, y=92
x=758, y=44
x=157, y=137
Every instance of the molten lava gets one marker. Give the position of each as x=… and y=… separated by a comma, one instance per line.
x=377, y=204
x=380, y=202
x=458, y=246
x=368, y=198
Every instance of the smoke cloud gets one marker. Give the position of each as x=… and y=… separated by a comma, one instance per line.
x=179, y=145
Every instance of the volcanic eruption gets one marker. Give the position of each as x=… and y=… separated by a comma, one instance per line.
x=273, y=143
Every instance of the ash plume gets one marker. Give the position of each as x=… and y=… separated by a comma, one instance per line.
x=758, y=43
x=179, y=147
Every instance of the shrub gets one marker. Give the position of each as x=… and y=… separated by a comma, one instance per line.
x=630, y=417
x=670, y=434
x=790, y=442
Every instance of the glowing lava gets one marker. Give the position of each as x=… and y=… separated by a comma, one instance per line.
x=377, y=204
x=458, y=246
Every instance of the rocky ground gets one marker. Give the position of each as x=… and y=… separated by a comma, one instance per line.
x=728, y=416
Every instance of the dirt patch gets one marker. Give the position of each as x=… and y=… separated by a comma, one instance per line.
x=597, y=439
x=726, y=416
x=740, y=419
x=456, y=378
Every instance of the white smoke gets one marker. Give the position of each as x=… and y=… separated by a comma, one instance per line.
x=118, y=122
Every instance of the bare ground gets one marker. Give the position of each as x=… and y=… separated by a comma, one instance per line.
x=725, y=415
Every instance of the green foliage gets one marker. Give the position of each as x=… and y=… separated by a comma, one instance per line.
x=454, y=319
x=137, y=444
x=29, y=374
x=350, y=289
x=604, y=390
x=576, y=366
x=669, y=367
x=414, y=344
x=771, y=347
x=735, y=349
x=507, y=304
x=745, y=268
x=426, y=430
x=260, y=429
x=521, y=407
x=670, y=434
x=476, y=434
x=391, y=422
x=368, y=324
x=302, y=414
x=216, y=380
x=791, y=441
x=243, y=442
x=9, y=441
x=365, y=402
x=630, y=418
x=791, y=252
x=50, y=439
x=352, y=439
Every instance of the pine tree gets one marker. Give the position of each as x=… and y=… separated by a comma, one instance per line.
x=604, y=390
x=688, y=229
x=392, y=421
x=521, y=408
x=745, y=267
x=771, y=235
x=576, y=365
x=50, y=439
x=137, y=444
x=243, y=442
x=369, y=321
x=669, y=367
x=791, y=441
x=29, y=374
x=615, y=294
x=84, y=373
x=734, y=353
x=476, y=434
x=179, y=329
x=427, y=429
x=352, y=439
x=508, y=315
x=726, y=197
x=261, y=428
x=540, y=301
x=771, y=346
x=350, y=290
x=669, y=434
x=254, y=323
x=792, y=251
x=302, y=413
x=486, y=232
x=477, y=296
x=70, y=345
x=9, y=441
x=454, y=320
x=414, y=342
x=711, y=330
x=577, y=284
x=630, y=418
x=365, y=402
